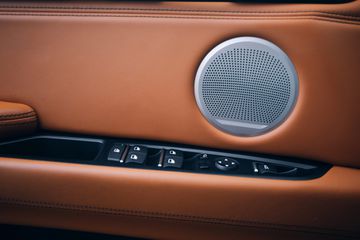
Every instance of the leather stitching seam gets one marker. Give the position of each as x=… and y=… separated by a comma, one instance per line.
x=170, y=216
x=17, y=115
x=3, y=125
x=243, y=14
x=342, y=14
x=186, y=17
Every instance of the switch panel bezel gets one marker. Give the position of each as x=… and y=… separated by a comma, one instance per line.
x=195, y=160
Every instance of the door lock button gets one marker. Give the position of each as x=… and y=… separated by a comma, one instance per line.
x=226, y=164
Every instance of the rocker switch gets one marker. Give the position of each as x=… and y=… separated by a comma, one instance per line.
x=173, y=159
x=115, y=152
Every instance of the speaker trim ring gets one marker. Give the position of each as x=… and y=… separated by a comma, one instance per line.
x=244, y=128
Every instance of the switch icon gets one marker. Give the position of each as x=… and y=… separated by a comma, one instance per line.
x=133, y=156
x=115, y=152
x=171, y=161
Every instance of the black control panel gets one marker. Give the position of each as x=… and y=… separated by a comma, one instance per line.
x=174, y=158
x=160, y=156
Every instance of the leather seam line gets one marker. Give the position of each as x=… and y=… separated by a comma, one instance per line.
x=17, y=115
x=333, y=20
x=294, y=14
x=171, y=216
x=341, y=14
x=33, y=121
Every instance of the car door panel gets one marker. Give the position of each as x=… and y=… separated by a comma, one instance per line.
x=126, y=70
x=113, y=56
x=311, y=207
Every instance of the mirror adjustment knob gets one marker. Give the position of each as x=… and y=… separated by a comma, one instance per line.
x=226, y=164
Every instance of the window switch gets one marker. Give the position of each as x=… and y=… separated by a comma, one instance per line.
x=265, y=168
x=135, y=157
x=115, y=152
x=173, y=153
x=138, y=149
x=173, y=161
x=137, y=154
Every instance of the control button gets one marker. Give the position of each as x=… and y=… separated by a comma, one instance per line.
x=172, y=152
x=203, y=163
x=138, y=158
x=226, y=164
x=138, y=149
x=115, y=152
x=173, y=161
x=173, y=158
x=265, y=168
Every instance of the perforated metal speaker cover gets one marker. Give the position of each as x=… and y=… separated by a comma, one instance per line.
x=246, y=86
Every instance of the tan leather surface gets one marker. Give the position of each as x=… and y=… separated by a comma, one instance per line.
x=145, y=227
x=349, y=10
x=127, y=70
x=175, y=205
x=16, y=119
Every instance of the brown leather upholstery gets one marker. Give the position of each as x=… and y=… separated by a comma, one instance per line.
x=127, y=70
x=130, y=73
x=137, y=202
x=16, y=119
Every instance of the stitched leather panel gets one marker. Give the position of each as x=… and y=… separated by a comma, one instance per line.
x=16, y=119
x=234, y=201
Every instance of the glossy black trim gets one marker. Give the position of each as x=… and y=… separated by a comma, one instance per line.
x=193, y=156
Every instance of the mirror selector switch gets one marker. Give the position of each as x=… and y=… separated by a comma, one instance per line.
x=226, y=164
x=173, y=159
x=203, y=162
x=116, y=151
x=137, y=154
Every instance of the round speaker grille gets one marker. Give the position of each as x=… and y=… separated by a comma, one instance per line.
x=246, y=86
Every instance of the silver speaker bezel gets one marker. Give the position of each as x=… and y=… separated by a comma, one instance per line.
x=247, y=129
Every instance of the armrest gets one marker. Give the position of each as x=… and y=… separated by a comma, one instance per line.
x=16, y=119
